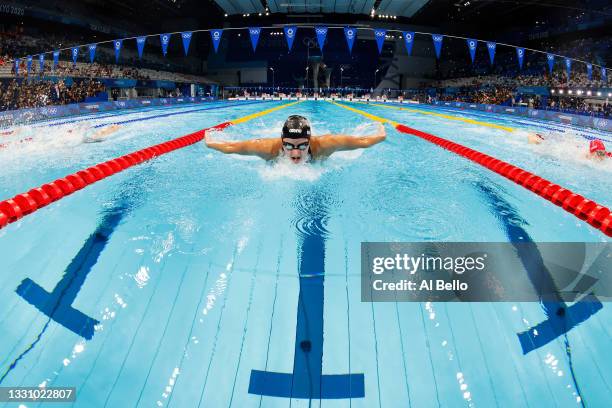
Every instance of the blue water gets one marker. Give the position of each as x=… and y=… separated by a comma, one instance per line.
x=192, y=279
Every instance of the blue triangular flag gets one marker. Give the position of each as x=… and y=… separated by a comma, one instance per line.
x=350, y=33
x=409, y=41
x=165, y=40
x=140, y=42
x=604, y=74
x=29, y=63
x=117, y=44
x=254, y=32
x=568, y=67
x=216, y=37
x=472, y=44
x=437, y=40
x=41, y=63
x=75, y=55
x=380, y=35
x=520, y=53
x=186, y=36
x=92, y=52
x=17, y=66
x=551, y=62
x=55, y=59
x=290, y=32
x=491, y=46
x=321, y=32
x=590, y=71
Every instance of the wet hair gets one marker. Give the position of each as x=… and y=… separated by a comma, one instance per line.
x=296, y=127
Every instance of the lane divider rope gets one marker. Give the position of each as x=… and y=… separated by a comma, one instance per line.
x=444, y=116
x=26, y=203
x=589, y=211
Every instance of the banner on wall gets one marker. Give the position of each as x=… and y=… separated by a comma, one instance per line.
x=472, y=44
x=254, y=33
x=321, y=32
x=408, y=41
x=117, y=44
x=41, y=63
x=520, y=54
x=491, y=46
x=28, y=64
x=55, y=59
x=350, y=33
x=75, y=55
x=215, y=35
x=165, y=40
x=568, y=67
x=437, y=40
x=290, y=32
x=551, y=62
x=140, y=42
x=380, y=36
x=590, y=71
x=186, y=36
x=92, y=52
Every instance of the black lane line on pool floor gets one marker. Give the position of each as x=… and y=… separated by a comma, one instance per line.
x=307, y=380
x=560, y=317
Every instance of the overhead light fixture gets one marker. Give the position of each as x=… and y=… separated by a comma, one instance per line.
x=570, y=91
x=552, y=91
x=589, y=93
x=598, y=93
x=561, y=91
x=225, y=14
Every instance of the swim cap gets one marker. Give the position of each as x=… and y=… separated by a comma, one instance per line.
x=296, y=127
x=596, y=145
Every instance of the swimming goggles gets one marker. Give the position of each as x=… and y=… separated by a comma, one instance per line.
x=291, y=146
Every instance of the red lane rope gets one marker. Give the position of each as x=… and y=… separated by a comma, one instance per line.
x=587, y=210
x=26, y=203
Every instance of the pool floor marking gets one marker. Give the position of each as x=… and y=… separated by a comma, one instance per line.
x=307, y=380
x=57, y=305
x=24, y=204
x=444, y=116
x=560, y=318
x=589, y=211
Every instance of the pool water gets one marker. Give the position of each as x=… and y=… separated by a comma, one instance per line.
x=193, y=279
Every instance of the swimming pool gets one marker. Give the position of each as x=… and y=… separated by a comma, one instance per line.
x=192, y=279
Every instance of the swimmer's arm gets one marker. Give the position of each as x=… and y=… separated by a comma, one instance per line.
x=263, y=148
x=333, y=143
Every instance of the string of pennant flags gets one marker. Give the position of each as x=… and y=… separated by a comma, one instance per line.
x=290, y=32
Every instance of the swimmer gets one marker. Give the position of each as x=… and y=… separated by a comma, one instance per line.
x=100, y=135
x=297, y=144
x=535, y=138
x=597, y=151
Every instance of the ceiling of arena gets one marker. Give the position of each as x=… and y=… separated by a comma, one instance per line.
x=406, y=8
